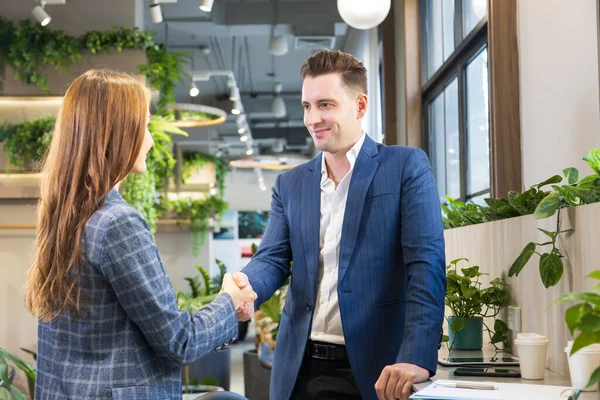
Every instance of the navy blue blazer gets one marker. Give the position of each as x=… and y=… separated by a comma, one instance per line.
x=132, y=340
x=391, y=277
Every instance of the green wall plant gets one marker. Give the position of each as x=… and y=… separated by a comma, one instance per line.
x=195, y=159
x=540, y=203
x=27, y=142
x=29, y=46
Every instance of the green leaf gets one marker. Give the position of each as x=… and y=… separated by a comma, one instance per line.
x=594, y=275
x=573, y=315
x=588, y=297
x=571, y=174
x=590, y=323
x=523, y=258
x=498, y=338
x=554, y=179
x=595, y=377
x=547, y=206
x=470, y=272
x=445, y=338
x=585, y=339
x=458, y=324
x=500, y=326
x=551, y=269
x=456, y=261
x=552, y=235
x=4, y=394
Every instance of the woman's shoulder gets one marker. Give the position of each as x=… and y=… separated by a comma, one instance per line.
x=116, y=213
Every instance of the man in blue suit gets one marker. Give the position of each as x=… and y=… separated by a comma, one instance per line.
x=362, y=224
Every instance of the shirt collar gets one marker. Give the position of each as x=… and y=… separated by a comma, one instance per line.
x=351, y=154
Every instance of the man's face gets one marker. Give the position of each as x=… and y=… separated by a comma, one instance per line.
x=332, y=112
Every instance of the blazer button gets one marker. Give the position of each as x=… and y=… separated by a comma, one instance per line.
x=309, y=307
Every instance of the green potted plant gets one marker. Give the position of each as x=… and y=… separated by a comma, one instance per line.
x=584, y=318
x=215, y=368
x=470, y=305
x=7, y=390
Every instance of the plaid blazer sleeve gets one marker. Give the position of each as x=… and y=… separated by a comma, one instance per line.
x=133, y=267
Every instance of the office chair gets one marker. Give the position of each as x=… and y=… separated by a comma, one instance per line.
x=221, y=396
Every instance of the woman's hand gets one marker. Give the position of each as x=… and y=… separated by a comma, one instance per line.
x=239, y=295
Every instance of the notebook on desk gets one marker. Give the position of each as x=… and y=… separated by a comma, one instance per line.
x=504, y=391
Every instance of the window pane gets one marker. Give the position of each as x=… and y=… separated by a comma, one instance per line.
x=478, y=137
x=473, y=11
x=480, y=199
x=438, y=32
x=443, y=141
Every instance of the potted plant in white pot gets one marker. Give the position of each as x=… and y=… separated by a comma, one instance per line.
x=469, y=305
x=584, y=352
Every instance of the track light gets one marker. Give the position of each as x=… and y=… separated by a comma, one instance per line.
x=278, y=107
x=194, y=91
x=237, y=107
x=249, y=152
x=156, y=12
x=234, y=93
x=278, y=45
x=206, y=5
x=243, y=138
x=241, y=130
x=41, y=15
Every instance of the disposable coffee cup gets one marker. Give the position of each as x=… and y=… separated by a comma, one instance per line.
x=532, y=349
x=582, y=364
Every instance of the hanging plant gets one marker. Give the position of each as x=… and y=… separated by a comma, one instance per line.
x=199, y=213
x=195, y=159
x=30, y=46
x=26, y=143
x=141, y=190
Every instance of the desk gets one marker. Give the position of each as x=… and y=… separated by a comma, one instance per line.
x=550, y=378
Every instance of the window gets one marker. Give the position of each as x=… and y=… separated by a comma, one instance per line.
x=455, y=87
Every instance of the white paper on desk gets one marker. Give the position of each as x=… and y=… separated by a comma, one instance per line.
x=505, y=391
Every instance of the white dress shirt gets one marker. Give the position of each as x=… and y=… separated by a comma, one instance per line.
x=327, y=322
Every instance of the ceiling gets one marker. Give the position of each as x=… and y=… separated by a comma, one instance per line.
x=235, y=37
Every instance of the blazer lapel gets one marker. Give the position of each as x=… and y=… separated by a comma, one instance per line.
x=311, y=220
x=362, y=175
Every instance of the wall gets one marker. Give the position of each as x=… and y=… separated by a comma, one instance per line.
x=558, y=62
x=494, y=246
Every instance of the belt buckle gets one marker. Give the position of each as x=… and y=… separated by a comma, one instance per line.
x=328, y=349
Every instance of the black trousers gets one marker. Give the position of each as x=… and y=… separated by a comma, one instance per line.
x=325, y=380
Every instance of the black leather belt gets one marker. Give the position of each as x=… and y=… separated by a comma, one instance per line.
x=326, y=351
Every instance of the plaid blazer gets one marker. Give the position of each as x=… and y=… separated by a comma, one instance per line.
x=132, y=340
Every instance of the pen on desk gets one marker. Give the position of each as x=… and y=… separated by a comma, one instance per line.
x=468, y=385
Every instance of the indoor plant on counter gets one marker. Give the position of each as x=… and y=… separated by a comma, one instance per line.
x=470, y=305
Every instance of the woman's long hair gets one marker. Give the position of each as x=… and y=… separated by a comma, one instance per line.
x=96, y=140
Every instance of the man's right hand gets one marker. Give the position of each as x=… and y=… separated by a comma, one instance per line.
x=245, y=312
x=239, y=295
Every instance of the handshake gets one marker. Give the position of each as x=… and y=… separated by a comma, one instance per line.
x=238, y=287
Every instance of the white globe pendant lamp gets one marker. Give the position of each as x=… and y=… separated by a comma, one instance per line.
x=361, y=14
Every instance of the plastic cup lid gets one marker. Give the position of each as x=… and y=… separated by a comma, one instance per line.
x=531, y=338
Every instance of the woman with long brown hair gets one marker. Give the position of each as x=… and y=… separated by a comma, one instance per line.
x=109, y=326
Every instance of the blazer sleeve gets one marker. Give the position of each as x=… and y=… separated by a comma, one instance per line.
x=133, y=267
x=270, y=266
x=422, y=239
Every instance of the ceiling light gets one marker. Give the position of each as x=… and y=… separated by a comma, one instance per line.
x=41, y=15
x=241, y=130
x=194, y=91
x=156, y=12
x=360, y=14
x=278, y=107
x=249, y=152
x=243, y=138
x=278, y=45
x=235, y=111
x=234, y=93
x=206, y=5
